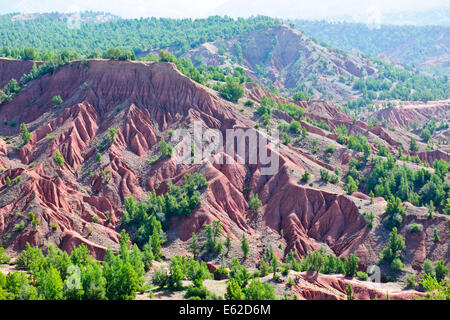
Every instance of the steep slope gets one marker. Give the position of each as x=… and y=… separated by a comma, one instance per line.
x=288, y=60
x=407, y=44
x=81, y=201
x=13, y=69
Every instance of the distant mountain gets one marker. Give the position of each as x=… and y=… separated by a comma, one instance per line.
x=427, y=45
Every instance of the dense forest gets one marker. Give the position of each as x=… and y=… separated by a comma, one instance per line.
x=48, y=33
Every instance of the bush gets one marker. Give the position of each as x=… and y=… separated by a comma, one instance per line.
x=411, y=281
x=440, y=270
x=306, y=176
x=397, y=264
x=58, y=159
x=391, y=254
x=324, y=175
x=3, y=257
x=369, y=217
x=57, y=100
x=415, y=228
x=362, y=276
x=254, y=203
x=118, y=54
x=193, y=291
x=160, y=278
x=351, y=185
x=350, y=265
x=259, y=291
x=232, y=90
x=249, y=103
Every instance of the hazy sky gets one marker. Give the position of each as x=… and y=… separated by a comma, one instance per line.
x=202, y=8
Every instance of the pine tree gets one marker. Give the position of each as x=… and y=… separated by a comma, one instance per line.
x=244, y=246
x=193, y=246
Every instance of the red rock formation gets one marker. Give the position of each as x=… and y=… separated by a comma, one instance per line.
x=154, y=97
x=313, y=286
x=430, y=156
x=13, y=69
x=414, y=111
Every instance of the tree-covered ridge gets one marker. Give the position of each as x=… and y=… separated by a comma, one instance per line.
x=405, y=44
x=396, y=83
x=46, y=33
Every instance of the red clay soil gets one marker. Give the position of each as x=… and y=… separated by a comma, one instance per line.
x=153, y=97
x=13, y=69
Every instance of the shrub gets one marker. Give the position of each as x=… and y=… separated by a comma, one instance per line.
x=249, y=103
x=234, y=291
x=232, y=90
x=160, y=278
x=244, y=246
x=58, y=159
x=57, y=100
x=397, y=264
x=306, y=176
x=436, y=235
x=351, y=185
x=440, y=270
x=26, y=135
x=369, y=217
x=3, y=257
x=415, y=228
x=362, y=276
x=19, y=227
x=411, y=281
x=428, y=268
x=392, y=251
x=259, y=291
x=350, y=265
x=254, y=203
x=118, y=54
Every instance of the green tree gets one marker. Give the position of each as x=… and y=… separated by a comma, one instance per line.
x=306, y=176
x=50, y=284
x=166, y=149
x=57, y=100
x=244, y=246
x=232, y=90
x=413, y=145
x=99, y=158
x=391, y=254
x=440, y=270
x=349, y=291
x=193, y=246
x=93, y=281
x=259, y=291
x=26, y=135
x=425, y=135
x=351, y=185
x=234, y=291
x=227, y=244
x=58, y=159
x=351, y=265
x=254, y=203
x=157, y=238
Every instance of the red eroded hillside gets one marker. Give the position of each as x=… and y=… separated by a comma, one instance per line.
x=82, y=200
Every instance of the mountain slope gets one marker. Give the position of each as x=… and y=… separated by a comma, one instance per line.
x=419, y=45
x=288, y=60
x=81, y=201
